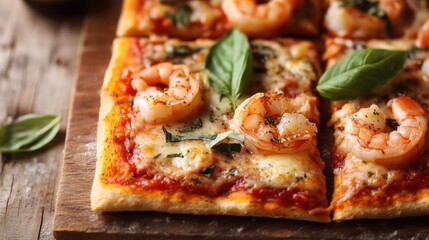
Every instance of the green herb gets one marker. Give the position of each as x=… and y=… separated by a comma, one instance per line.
x=233, y=171
x=229, y=65
x=212, y=140
x=182, y=16
x=181, y=50
x=222, y=136
x=228, y=147
x=195, y=179
x=208, y=171
x=360, y=72
x=173, y=155
x=29, y=133
x=370, y=7
x=196, y=124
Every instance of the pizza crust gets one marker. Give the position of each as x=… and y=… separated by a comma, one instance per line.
x=116, y=197
x=407, y=205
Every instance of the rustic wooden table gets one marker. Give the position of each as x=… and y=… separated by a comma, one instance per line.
x=38, y=60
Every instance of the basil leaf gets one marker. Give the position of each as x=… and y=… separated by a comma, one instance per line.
x=182, y=16
x=169, y=137
x=359, y=73
x=208, y=171
x=229, y=65
x=221, y=136
x=28, y=133
x=196, y=124
x=227, y=147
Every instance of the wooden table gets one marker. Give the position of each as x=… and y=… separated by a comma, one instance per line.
x=38, y=59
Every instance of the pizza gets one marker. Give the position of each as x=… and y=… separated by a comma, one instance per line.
x=175, y=137
x=212, y=18
x=381, y=144
x=168, y=142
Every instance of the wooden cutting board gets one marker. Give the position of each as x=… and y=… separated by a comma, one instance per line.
x=75, y=220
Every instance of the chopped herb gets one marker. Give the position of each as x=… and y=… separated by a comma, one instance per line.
x=392, y=123
x=157, y=156
x=370, y=174
x=208, y=171
x=173, y=51
x=182, y=16
x=173, y=155
x=270, y=120
x=228, y=147
x=233, y=171
x=195, y=179
x=196, y=124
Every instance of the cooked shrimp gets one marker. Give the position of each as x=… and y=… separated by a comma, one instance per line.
x=367, y=139
x=157, y=104
x=255, y=19
x=423, y=36
x=352, y=22
x=270, y=124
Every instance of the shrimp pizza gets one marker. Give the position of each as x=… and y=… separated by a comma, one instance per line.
x=204, y=127
x=381, y=148
x=211, y=19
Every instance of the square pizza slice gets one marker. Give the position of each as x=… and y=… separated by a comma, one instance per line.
x=381, y=149
x=167, y=141
x=211, y=19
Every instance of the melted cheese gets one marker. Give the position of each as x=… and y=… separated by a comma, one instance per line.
x=186, y=159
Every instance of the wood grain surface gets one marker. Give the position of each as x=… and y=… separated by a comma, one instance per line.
x=75, y=220
x=37, y=63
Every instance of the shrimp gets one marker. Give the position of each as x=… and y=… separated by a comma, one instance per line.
x=255, y=19
x=367, y=138
x=271, y=125
x=179, y=100
x=356, y=22
x=423, y=36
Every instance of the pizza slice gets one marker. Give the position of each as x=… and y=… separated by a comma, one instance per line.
x=381, y=148
x=211, y=19
x=367, y=19
x=168, y=142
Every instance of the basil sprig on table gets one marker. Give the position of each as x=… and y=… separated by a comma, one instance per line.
x=28, y=133
x=360, y=73
x=229, y=65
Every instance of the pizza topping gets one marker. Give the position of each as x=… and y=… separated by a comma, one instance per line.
x=182, y=15
x=287, y=130
x=256, y=19
x=196, y=124
x=365, y=135
x=180, y=99
x=360, y=72
x=229, y=65
x=208, y=171
x=182, y=50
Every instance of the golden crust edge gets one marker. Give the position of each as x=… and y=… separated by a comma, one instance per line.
x=119, y=51
x=128, y=23
x=400, y=208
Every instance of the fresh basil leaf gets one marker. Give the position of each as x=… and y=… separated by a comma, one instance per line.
x=208, y=171
x=359, y=73
x=169, y=137
x=229, y=65
x=227, y=147
x=182, y=16
x=28, y=133
x=221, y=136
x=196, y=124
